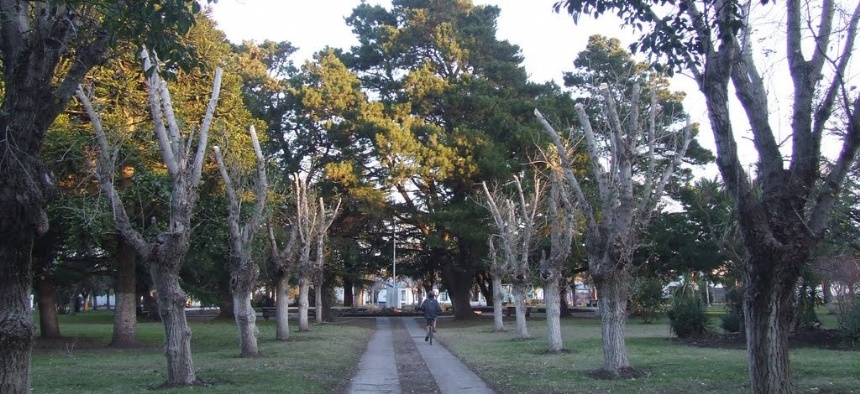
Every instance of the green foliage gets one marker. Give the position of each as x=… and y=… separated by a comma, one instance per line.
x=647, y=298
x=849, y=325
x=807, y=299
x=688, y=316
x=733, y=319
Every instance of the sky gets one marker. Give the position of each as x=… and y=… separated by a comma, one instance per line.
x=549, y=41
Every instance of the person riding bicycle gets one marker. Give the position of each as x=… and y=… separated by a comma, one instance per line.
x=431, y=310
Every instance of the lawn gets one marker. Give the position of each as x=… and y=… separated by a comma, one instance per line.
x=320, y=361
x=512, y=365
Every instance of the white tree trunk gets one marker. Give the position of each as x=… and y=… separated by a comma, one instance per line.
x=553, y=315
x=519, y=292
x=613, y=317
x=177, y=333
x=498, y=308
x=246, y=322
x=304, y=287
x=282, y=310
x=318, y=302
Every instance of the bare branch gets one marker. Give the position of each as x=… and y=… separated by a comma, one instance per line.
x=568, y=172
x=105, y=175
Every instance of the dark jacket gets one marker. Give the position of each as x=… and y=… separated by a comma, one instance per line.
x=431, y=308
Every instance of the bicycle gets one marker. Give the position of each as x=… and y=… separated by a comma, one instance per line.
x=431, y=328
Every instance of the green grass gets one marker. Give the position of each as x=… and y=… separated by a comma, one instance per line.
x=322, y=360
x=319, y=361
x=512, y=365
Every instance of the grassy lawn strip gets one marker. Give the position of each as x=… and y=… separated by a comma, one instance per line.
x=319, y=361
x=511, y=365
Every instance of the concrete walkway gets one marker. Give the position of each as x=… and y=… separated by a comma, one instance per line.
x=378, y=371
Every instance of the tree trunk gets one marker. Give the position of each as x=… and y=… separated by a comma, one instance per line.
x=564, y=290
x=553, y=315
x=304, y=288
x=246, y=322
x=125, y=319
x=613, y=289
x=498, y=311
x=348, y=295
x=225, y=302
x=177, y=334
x=458, y=284
x=519, y=290
x=46, y=290
x=318, y=302
x=16, y=322
x=768, y=300
x=282, y=302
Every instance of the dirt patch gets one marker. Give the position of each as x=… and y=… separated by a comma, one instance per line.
x=415, y=377
x=820, y=339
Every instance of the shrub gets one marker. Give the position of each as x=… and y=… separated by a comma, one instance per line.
x=647, y=299
x=850, y=324
x=733, y=320
x=688, y=317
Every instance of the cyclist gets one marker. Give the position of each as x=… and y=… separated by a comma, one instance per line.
x=431, y=310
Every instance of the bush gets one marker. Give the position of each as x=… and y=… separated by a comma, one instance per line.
x=688, y=317
x=647, y=299
x=733, y=320
x=850, y=325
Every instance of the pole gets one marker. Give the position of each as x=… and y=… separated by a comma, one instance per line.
x=396, y=297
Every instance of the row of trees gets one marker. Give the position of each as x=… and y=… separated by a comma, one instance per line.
x=428, y=107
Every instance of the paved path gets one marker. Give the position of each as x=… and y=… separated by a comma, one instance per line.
x=378, y=367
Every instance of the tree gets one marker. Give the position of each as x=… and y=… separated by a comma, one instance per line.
x=783, y=219
x=562, y=227
x=616, y=216
x=164, y=254
x=244, y=272
x=452, y=108
x=281, y=261
x=47, y=49
x=514, y=219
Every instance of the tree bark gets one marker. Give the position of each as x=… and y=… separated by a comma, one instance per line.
x=768, y=303
x=498, y=311
x=225, y=302
x=553, y=315
x=282, y=303
x=304, y=288
x=46, y=290
x=614, y=291
x=348, y=292
x=125, y=318
x=458, y=284
x=246, y=322
x=177, y=333
x=318, y=301
x=519, y=290
x=16, y=322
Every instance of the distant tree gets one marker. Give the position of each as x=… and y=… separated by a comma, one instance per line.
x=244, y=270
x=515, y=220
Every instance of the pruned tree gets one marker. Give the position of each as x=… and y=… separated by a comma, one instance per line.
x=621, y=208
x=244, y=273
x=164, y=253
x=280, y=263
x=324, y=221
x=498, y=268
x=561, y=216
x=311, y=226
x=515, y=222
x=787, y=215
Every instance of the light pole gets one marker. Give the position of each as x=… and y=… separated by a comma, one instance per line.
x=396, y=298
